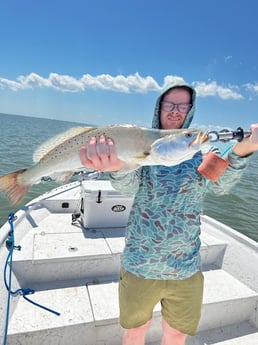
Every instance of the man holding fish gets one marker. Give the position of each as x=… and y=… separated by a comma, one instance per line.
x=161, y=259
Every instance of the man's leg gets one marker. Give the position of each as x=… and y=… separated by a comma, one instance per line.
x=171, y=335
x=137, y=299
x=136, y=336
x=181, y=308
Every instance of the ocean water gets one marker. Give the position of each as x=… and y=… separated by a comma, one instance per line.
x=21, y=135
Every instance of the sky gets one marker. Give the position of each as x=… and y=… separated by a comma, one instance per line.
x=105, y=62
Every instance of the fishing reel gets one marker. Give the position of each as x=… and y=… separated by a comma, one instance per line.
x=226, y=135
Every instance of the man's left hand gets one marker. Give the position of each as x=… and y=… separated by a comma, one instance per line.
x=249, y=144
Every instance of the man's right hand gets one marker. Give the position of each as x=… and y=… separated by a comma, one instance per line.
x=100, y=154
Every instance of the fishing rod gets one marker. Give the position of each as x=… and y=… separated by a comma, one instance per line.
x=226, y=135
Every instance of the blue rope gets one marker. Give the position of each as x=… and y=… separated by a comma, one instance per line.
x=24, y=292
x=9, y=256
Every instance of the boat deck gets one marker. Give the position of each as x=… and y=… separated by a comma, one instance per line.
x=75, y=271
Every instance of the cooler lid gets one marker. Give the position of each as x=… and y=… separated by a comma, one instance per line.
x=94, y=186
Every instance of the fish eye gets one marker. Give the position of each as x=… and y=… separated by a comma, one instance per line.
x=188, y=135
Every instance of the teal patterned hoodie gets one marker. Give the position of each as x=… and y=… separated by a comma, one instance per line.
x=162, y=236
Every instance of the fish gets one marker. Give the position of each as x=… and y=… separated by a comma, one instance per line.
x=59, y=157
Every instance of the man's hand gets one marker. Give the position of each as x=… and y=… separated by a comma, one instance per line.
x=100, y=155
x=248, y=145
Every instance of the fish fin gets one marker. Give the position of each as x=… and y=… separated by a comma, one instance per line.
x=10, y=186
x=57, y=140
x=135, y=162
x=130, y=166
x=62, y=177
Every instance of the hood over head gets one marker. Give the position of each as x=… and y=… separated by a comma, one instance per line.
x=190, y=114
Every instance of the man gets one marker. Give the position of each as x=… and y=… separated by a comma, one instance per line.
x=161, y=258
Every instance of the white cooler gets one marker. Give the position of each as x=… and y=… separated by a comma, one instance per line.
x=102, y=206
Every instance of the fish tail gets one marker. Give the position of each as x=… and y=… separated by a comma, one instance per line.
x=10, y=186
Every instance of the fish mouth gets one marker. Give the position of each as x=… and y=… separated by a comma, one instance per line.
x=201, y=138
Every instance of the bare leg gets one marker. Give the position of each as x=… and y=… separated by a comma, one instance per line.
x=171, y=335
x=136, y=336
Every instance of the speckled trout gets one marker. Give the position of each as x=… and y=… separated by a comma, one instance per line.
x=59, y=158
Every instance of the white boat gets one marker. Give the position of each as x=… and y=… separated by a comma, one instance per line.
x=71, y=239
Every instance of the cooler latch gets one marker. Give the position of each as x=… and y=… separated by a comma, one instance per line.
x=99, y=201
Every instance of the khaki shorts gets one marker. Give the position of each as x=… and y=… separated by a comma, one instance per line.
x=181, y=301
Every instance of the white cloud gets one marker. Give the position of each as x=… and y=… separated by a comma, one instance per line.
x=66, y=83
x=213, y=89
x=13, y=85
x=33, y=80
x=120, y=83
x=173, y=80
x=227, y=58
x=252, y=87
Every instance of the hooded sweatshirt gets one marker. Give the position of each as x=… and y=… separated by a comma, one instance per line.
x=162, y=235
